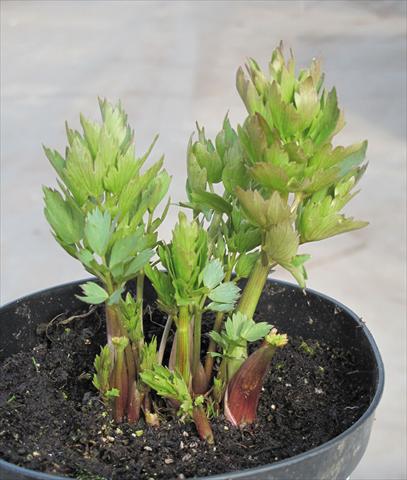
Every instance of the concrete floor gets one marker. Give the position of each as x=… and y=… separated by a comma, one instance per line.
x=174, y=63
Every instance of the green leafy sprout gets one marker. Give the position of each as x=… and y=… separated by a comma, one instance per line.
x=255, y=194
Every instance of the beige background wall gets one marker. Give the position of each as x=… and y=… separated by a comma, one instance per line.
x=172, y=63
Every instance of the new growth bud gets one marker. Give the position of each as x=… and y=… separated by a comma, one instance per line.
x=243, y=392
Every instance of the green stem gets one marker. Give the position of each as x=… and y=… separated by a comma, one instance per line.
x=131, y=377
x=217, y=326
x=237, y=358
x=113, y=324
x=182, y=362
x=120, y=381
x=149, y=222
x=140, y=286
x=213, y=230
x=164, y=339
x=297, y=200
x=196, y=354
x=199, y=380
x=128, y=367
x=134, y=404
x=254, y=287
x=139, y=296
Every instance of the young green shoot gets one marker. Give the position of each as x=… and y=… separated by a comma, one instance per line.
x=103, y=215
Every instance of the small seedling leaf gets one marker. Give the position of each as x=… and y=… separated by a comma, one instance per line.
x=94, y=294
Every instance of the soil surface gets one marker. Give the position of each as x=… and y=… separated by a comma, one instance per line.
x=52, y=420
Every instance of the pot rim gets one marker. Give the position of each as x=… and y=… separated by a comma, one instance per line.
x=12, y=468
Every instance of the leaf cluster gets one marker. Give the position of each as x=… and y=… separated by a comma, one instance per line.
x=284, y=183
x=172, y=386
x=98, y=216
x=101, y=377
x=238, y=330
x=190, y=277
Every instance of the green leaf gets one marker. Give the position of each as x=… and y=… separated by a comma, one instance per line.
x=221, y=307
x=306, y=102
x=115, y=121
x=297, y=269
x=248, y=93
x=281, y=243
x=258, y=78
x=261, y=212
x=130, y=195
x=234, y=173
x=124, y=248
x=86, y=257
x=283, y=74
x=88, y=261
x=284, y=115
x=112, y=393
x=170, y=385
x=157, y=190
x=98, y=231
x=355, y=157
x=217, y=337
x=131, y=313
x=246, y=239
x=324, y=125
x=163, y=286
x=242, y=236
x=256, y=331
x=227, y=292
x=226, y=138
x=64, y=216
x=158, y=221
x=270, y=176
x=279, y=156
x=212, y=201
x=102, y=366
x=321, y=179
x=79, y=174
x=255, y=137
x=120, y=169
x=138, y=263
x=245, y=264
x=188, y=251
x=213, y=274
x=253, y=205
x=116, y=296
x=92, y=134
x=197, y=176
x=208, y=158
x=120, y=344
x=319, y=217
x=56, y=160
x=238, y=330
x=94, y=294
x=149, y=355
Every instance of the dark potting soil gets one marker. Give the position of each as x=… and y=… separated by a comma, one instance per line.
x=52, y=420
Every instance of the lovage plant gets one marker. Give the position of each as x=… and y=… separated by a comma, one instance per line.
x=255, y=194
x=104, y=216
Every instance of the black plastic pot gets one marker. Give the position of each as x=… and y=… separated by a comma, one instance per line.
x=309, y=314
